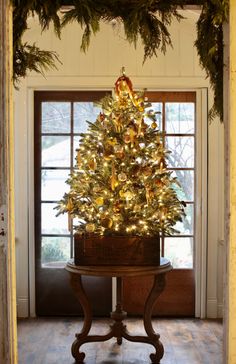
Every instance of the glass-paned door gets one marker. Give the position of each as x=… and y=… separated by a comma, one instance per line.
x=177, y=119
x=59, y=118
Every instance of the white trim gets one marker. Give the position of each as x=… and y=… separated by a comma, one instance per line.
x=201, y=204
x=31, y=212
x=220, y=310
x=87, y=82
x=212, y=308
x=22, y=307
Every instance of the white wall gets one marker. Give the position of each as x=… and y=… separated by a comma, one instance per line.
x=98, y=69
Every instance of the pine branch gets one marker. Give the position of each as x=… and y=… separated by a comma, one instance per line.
x=210, y=48
x=31, y=58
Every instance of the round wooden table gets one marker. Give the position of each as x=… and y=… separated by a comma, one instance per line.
x=118, y=329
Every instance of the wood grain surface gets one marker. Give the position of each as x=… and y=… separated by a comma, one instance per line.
x=186, y=341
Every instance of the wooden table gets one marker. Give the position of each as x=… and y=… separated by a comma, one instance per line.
x=118, y=329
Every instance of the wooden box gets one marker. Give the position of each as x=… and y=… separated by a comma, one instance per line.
x=116, y=250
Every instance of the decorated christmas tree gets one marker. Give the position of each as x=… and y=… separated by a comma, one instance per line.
x=121, y=184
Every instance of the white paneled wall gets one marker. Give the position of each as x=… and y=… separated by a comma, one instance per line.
x=99, y=68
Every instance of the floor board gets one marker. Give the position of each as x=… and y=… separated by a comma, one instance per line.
x=186, y=341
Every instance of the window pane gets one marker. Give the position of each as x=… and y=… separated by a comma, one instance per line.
x=186, y=180
x=52, y=224
x=180, y=117
x=186, y=227
x=182, y=152
x=156, y=107
x=84, y=111
x=180, y=252
x=55, y=251
x=53, y=184
x=56, y=117
x=55, y=151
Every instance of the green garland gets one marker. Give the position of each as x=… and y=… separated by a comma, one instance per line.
x=210, y=48
x=147, y=19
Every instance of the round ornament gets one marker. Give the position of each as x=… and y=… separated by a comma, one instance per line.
x=137, y=208
x=107, y=155
x=99, y=201
x=90, y=227
x=154, y=125
x=122, y=177
x=159, y=183
x=117, y=207
x=135, y=170
x=107, y=222
x=127, y=138
x=128, y=195
x=147, y=171
x=119, y=151
x=112, y=141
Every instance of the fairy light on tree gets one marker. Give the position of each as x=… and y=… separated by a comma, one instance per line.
x=121, y=185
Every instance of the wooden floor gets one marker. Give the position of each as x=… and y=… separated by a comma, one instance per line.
x=186, y=341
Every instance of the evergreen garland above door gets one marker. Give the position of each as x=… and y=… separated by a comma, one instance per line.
x=148, y=20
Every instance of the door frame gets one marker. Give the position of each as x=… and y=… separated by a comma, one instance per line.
x=201, y=205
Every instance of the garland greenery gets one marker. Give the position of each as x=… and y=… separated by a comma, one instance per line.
x=210, y=48
x=147, y=19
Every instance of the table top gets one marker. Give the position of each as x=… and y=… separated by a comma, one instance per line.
x=119, y=271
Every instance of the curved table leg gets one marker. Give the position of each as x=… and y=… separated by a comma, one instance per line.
x=158, y=287
x=118, y=329
x=83, y=337
x=152, y=337
x=76, y=283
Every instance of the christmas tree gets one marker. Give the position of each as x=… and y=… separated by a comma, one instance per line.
x=121, y=185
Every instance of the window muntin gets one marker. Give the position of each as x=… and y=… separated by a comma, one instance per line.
x=62, y=121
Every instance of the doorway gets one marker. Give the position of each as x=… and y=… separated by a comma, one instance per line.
x=59, y=119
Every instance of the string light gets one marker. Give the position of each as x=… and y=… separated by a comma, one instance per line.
x=120, y=143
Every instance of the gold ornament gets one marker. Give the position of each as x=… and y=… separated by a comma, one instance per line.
x=154, y=125
x=132, y=134
x=107, y=222
x=107, y=155
x=128, y=195
x=137, y=208
x=135, y=170
x=69, y=205
x=162, y=164
x=140, y=104
x=90, y=227
x=101, y=117
x=92, y=164
x=117, y=122
x=114, y=182
x=79, y=158
x=99, y=201
x=124, y=88
x=127, y=138
x=112, y=141
x=117, y=207
x=147, y=171
x=121, y=193
x=119, y=151
x=108, y=151
x=149, y=194
x=122, y=177
x=159, y=183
